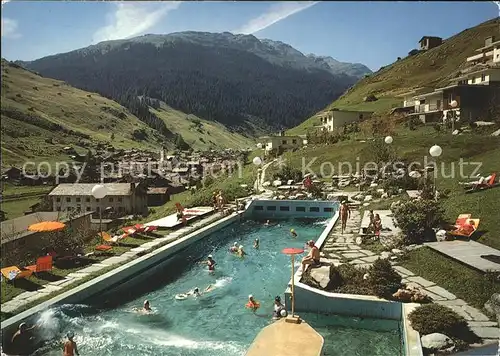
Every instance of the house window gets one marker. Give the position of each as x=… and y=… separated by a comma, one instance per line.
x=258, y=207
x=314, y=210
x=328, y=210
x=110, y=200
x=361, y=116
x=87, y=200
x=58, y=200
x=294, y=141
x=78, y=200
x=284, y=142
x=483, y=78
x=78, y=207
x=120, y=199
x=271, y=208
x=284, y=208
x=87, y=208
x=300, y=208
x=68, y=200
x=58, y=208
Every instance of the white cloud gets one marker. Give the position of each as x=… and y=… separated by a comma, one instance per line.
x=5, y=2
x=133, y=18
x=274, y=14
x=9, y=28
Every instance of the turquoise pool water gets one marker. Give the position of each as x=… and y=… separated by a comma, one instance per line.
x=215, y=324
x=351, y=336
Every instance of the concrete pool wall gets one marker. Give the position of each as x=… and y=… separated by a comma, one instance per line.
x=309, y=299
x=115, y=277
x=291, y=209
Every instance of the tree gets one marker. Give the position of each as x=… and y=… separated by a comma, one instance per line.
x=417, y=218
x=180, y=144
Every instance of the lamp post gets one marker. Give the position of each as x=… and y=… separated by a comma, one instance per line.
x=453, y=105
x=257, y=161
x=435, y=152
x=99, y=191
x=292, y=252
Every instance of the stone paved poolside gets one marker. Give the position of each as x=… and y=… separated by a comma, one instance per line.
x=28, y=297
x=468, y=252
x=344, y=245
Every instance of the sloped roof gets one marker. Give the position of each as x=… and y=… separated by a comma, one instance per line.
x=86, y=189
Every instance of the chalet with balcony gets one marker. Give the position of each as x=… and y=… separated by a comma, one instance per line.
x=280, y=142
x=337, y=118
x=429, y=42
x=476, y=90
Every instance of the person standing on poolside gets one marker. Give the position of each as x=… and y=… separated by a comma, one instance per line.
x=345, y=213
x=70, y=348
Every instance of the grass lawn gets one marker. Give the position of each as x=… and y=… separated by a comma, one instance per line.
x=33, y=283
x=17, y=207
x=10, y=190
x=467, y=284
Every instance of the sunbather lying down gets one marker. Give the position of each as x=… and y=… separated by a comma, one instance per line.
x=465, y=229
x=481, y=180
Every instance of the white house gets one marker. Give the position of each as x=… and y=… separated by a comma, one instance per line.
x=336, y=118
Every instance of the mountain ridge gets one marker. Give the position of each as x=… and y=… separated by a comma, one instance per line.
x=221, y=77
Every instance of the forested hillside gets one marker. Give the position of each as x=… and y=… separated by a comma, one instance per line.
x=223, y=80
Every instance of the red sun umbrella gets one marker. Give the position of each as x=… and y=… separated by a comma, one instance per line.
x=292, y=251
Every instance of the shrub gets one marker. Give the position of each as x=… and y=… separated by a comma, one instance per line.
x=417, y=217
x=384, y=280
x=288, y=173
x=436, y=318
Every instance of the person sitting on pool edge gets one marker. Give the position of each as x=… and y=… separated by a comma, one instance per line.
x=256, y=244
x=234, y=248
x=294, y=234
x=312, y=258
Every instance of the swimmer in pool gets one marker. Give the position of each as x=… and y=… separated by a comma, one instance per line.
x=241, y=252
x=195, y=292
x=234, y=248
x=293, y=233
x=252, y=303
x=267, y=223
x=210, y=263
x=146, y=307
x=256, y=244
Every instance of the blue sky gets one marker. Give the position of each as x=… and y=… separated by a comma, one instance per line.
x=372, y=33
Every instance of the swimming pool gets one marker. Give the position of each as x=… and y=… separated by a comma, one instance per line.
x=374, y=337
x=214, y=324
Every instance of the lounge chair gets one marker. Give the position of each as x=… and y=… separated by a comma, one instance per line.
x=43, y=264
x=490, y=183
x=13, y=272
x=111, y=240
x=458, y=233
x=462, y=218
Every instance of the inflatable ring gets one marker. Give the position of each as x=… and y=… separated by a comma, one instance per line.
x=181, y=296
x=255, y=305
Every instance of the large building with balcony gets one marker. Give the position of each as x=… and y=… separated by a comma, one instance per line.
x=280, y=142
x=121, y=199
x=337, y=118
x=475, y=90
